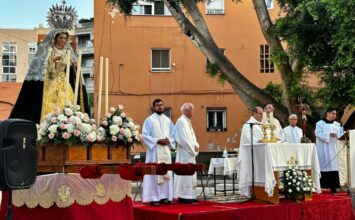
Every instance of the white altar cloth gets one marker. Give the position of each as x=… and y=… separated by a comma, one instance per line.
x=228, y=166
x=273, y=157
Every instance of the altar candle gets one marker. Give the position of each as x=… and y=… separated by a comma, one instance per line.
x=67, y=78
x=106, y=86
x=78, y=74
x=264, y=118
x=100, y=90
x=271, y=118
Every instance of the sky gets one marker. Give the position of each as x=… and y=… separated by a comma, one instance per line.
x=27, y=14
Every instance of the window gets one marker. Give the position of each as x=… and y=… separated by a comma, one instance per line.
x=215, y=7
x=216, y=119
x=266, y=65
x=32, y=48
x=167, y=111
x=160, y=60
x=269, y=4
x=150, y=8
x=9, y=60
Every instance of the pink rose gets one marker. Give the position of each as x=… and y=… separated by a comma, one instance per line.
x=77, y=133
x=50, y=135
x=65, y=135
x=94, y=127
x=114, y=138
x=62, y=126
x=104, y=123
x=122, y=130
x=78, y=124
x=112, y=109
x=129, y=140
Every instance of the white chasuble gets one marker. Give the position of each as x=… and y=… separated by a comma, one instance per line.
x=157, y=127
x=185, y=186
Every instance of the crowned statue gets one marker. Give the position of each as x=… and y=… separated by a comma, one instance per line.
x=46, y=86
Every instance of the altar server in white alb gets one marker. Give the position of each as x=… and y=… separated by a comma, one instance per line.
x=158, y=135
x=292, y=133
x=254, y=121
x=187, y=149
x=327, y=132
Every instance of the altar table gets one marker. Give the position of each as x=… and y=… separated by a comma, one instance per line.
x=274, y=157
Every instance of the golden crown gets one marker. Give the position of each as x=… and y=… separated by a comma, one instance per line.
x=62, y=16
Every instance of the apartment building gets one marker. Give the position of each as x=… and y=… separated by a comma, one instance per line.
x=84, y=42
x=151, y=58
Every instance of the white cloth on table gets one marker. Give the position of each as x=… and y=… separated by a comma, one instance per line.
x=157, y=127
x=352, y=157
x=342, y=162
x=291, y=134
x=273, y=157
x=228, y=166
x=65, y=189
x=185, y=186
x=326, y=145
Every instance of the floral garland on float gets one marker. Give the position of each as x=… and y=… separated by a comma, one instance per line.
x=69, y=126
x=69, y=136
x=119, y=129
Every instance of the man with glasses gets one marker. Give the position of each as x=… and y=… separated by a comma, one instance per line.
x=254, y=121
x=158, y=136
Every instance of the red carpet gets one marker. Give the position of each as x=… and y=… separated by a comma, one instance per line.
x=322, y=207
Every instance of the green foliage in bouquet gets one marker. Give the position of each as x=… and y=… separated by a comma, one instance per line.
x=69, y=126
x=296, y=183
x=119, y=129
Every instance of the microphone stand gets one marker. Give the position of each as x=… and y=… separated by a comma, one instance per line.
x=252, y=161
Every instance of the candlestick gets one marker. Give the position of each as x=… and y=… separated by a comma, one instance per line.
x=100, y=90
x=106, y=87
x=67, y=78
x=271, y=118
x=264, y=118
x=77, y=78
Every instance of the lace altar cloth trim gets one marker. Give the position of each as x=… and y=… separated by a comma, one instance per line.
x=65, y=189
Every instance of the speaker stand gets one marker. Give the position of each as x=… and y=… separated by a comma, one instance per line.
x=9, y=206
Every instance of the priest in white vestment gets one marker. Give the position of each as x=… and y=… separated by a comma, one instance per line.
x=187, y=149
x=158, y=136
x=277, y=133
x=292, y=133
x=255, y=122
x=327, y=132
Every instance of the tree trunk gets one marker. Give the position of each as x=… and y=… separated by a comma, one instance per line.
x=275, y=44
x=247, y=91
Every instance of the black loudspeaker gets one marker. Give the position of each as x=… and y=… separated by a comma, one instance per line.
x=18, y=154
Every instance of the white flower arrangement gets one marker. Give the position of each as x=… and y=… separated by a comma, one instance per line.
x=68, y=126
x=118, y=128
x=296, y=183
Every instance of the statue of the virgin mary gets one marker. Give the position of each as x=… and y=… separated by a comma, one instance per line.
x=43, y=90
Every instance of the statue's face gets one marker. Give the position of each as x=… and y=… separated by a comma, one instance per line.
x=61, y=40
